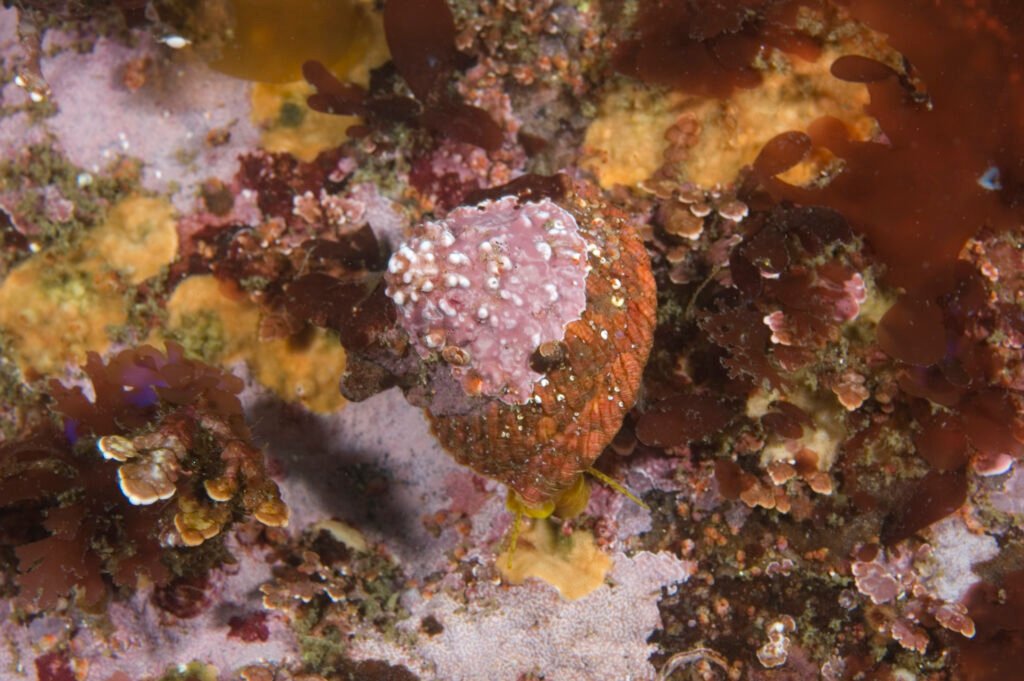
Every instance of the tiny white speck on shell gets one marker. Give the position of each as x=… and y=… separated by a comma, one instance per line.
x=501, y=278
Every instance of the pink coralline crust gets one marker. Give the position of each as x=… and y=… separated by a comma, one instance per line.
x=909, y=635
x=874, y=581
x=848, y=307
x=446, y=176
x=489, y=284
x=920, y=585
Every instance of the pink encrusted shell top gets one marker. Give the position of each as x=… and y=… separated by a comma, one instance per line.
x=484, y=287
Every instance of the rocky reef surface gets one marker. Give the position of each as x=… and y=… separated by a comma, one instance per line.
x=426, y=339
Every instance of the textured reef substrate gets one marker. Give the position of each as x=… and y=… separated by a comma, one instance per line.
x=235, y=384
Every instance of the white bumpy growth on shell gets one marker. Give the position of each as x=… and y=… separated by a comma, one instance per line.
x=488, y=284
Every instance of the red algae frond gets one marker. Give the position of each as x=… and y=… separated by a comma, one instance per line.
x=920, y=191
x=421, y=37
x=710, y=48
x=168, y=427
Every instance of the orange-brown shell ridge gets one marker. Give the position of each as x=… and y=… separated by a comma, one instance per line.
x=540, y=445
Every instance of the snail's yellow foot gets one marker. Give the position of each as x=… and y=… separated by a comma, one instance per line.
x=520, y=509
x=567, y=504
x=573, y=500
